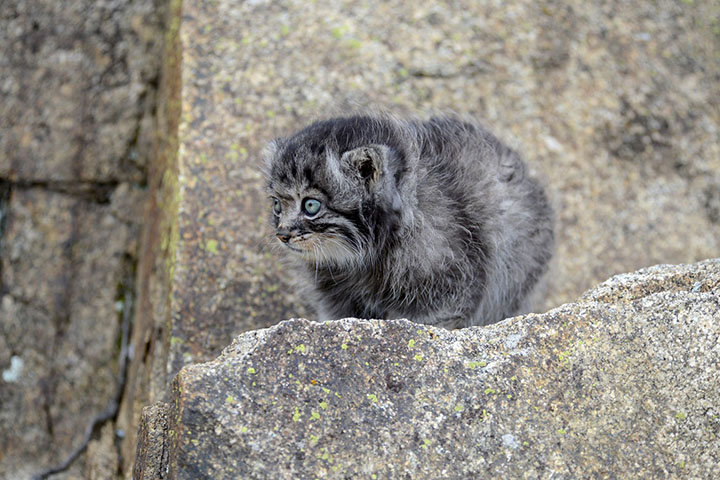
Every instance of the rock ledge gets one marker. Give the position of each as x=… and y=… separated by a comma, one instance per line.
x=624, y=382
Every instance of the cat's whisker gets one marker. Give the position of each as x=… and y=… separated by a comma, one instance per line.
x=332, y=276
x=267, y=244
x=317, y=266
x=349, y=252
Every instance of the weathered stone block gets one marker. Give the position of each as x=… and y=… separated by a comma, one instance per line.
x=65, y=262
x=77, y=107
x=152, y=443
x=612, y=388
x=76, y=83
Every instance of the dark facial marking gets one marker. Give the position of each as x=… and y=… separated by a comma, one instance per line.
x=308, y=172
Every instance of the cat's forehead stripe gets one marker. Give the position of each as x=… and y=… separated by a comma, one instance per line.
x=308, y=173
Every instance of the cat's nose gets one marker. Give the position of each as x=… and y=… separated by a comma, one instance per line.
x=284, y=237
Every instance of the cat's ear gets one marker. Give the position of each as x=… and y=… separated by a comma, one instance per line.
x=270, y=151
x=367, y=162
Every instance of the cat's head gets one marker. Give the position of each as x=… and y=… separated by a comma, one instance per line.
x=328, y=202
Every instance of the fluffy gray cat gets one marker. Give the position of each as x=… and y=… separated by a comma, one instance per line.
x=436, y=221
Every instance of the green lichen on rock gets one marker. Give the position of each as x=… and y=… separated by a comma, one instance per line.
x=211, y=246
x=474, y=364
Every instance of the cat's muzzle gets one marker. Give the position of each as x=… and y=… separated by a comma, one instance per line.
x=295, y=242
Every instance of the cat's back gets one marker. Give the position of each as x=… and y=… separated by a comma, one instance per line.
x=460, y=152
x=475, y=192
x=477, y=172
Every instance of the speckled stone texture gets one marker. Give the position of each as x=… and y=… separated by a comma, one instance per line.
x=153, y=443
x=63, y=262
x=76, y=84
x=614, y=105
x=622, y=384
x=147, y=376
x=77, y=100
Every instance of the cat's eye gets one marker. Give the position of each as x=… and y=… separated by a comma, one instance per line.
x=277, y=208
x=311, y=206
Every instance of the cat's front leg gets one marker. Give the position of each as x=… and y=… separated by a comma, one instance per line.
x=453, y=322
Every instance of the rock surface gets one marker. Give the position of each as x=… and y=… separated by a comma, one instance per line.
x=153, y=442
x=614, y=105
x=65, y=262
x=77, y=101
x=76, y=84
x=621, y=384
x=147, y=376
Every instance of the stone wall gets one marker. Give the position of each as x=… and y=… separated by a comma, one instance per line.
x=77, y=106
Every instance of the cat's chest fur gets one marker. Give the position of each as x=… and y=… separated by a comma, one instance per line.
x=434, y=221
x=389, y=288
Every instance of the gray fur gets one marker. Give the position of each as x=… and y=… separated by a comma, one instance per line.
x=436, y=221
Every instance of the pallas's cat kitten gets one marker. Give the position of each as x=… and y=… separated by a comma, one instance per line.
x=435, y=221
